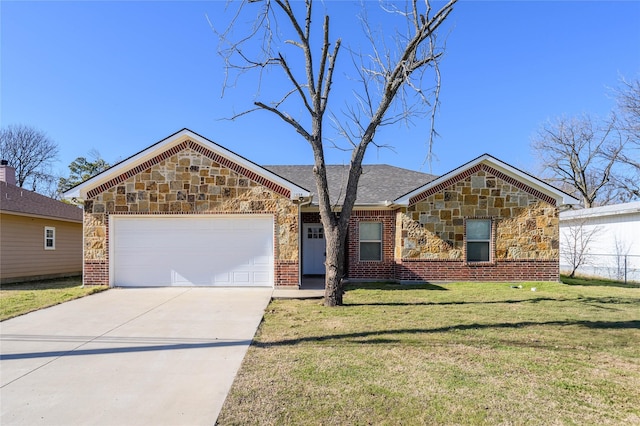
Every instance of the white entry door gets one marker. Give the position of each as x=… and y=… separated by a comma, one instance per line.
x=314, y=249
x=191, y=250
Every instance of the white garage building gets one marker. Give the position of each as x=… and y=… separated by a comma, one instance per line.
x=613, y=247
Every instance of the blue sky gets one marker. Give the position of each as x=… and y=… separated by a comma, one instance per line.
x=119, y=76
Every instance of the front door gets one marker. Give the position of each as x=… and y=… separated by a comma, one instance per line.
x=313, y=249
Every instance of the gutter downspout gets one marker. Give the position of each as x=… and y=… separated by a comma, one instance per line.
x=83, y=246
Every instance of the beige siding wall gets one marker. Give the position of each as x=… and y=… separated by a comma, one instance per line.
x=22, y=252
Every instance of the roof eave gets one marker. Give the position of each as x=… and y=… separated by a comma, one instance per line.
x=561, y=197
x=80, y=191
x=41, y=216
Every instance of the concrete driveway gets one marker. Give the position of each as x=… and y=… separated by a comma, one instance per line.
x=164, y=356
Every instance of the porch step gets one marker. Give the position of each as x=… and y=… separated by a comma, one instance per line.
x=285, y=293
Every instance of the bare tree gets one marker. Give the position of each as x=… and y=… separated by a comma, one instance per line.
x=575, y=244
x=579, y=155
x=32, y=153
x=621, y=247
x=391, y=89
x=628, y=99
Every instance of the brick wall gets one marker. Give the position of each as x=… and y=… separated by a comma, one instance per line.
x=96, y=272
x=310, y=217
x=286, y=273
x=455, y=270
x=375, y=270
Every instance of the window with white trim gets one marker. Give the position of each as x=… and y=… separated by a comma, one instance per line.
x=49, y=238
x=370, y=241
x=478, y=240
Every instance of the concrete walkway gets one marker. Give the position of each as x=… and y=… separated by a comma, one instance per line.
x=164, y=356
x=312, y=288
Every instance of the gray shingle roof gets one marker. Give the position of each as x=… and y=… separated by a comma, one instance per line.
x=378, y=183
x=14, y=199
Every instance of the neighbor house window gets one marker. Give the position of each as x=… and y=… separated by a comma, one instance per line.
x=478, y=240
x=49, y=238
x=370, y=241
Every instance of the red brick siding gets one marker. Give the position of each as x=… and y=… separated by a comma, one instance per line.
x=380, y=270
x=286, y=273
x=310, y=217
x=96, y=272
x=456, y=270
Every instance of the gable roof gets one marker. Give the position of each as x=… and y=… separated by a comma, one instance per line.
x=16, y=200
x=379, y=183
x=495, y=167
x=173, y=144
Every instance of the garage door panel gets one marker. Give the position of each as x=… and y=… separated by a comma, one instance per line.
x=202, y=251
x=262, y=277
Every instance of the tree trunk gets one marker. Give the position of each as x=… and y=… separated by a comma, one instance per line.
x=334, y=265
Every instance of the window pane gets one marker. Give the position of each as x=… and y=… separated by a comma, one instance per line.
x=370, y=251
x=478, y=229
x=370, y=231
x=49, y=242
x=478, y=252
x=49, y=233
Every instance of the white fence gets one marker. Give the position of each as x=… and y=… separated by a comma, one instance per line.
x=618, y=267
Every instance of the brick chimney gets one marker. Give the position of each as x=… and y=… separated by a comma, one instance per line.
x=7, y=173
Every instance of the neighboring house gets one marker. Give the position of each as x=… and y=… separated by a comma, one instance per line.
x=39, y=237
x=186, y=211
x=613, y=246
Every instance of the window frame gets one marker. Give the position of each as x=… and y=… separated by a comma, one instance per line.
x=377, y=241
x=51, y=238
x=490, y=241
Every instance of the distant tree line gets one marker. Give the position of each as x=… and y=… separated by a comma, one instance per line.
x=597, y=160
x=32, y=154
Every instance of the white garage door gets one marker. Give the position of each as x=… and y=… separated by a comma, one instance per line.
x=192, y=250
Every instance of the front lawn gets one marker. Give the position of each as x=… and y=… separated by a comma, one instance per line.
x=20, y=298
x=453, y=354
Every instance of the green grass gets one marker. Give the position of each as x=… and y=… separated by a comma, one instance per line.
x=21, y=298
x=460, y=353
x=598, y=282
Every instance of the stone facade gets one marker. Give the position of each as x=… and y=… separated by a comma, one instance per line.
x=188, y=182
x=422, y=242
x=524, y=227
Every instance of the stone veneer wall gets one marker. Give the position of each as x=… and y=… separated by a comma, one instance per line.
x=430, y=244
x=189, y=182
x=524, y=226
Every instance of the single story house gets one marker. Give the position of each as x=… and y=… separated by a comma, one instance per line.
x=186, y=211
x=611, y=233
x=40, y=237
